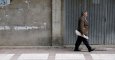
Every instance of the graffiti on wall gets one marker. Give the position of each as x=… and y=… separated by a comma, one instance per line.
x=4, y=2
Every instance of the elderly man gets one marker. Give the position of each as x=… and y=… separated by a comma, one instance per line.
x=83, y=29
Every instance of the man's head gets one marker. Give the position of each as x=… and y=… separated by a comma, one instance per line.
x=84, y=13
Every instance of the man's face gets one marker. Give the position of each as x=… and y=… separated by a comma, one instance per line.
x=85, y=14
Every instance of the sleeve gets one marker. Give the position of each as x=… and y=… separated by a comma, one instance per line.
x=82, y=26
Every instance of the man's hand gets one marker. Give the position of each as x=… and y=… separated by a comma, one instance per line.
x=85, y=36
x=82, y=35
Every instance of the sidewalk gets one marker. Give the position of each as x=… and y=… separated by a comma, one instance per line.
x=52, y=53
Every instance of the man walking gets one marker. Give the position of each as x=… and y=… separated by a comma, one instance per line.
x=83, y=29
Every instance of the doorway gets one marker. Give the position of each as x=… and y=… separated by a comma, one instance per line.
x=101, y=20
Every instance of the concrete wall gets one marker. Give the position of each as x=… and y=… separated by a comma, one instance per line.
x=57, y=23
x=26, y=23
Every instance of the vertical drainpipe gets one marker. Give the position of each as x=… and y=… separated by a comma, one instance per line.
x=85, y=4
x=105, y=19
x=51, y=23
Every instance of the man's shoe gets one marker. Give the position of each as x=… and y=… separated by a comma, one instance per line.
x=91, y=50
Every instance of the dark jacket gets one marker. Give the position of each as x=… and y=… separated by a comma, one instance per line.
x=83, y=25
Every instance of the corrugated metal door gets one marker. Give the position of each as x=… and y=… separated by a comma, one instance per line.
x=110, y=23
x=97, y=18
x=101, y=20
x=72, y=12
